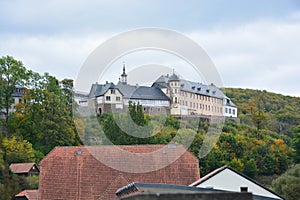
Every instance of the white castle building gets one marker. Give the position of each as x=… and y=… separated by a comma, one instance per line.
x=168, y=94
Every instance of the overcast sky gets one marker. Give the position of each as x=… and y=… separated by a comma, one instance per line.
x=254, y=44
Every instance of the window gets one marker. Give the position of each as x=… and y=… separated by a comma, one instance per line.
x=233, y=111
x=107, y=98
x=20, y=100
x=226, y=110
x=112, y=91
x=118, y=98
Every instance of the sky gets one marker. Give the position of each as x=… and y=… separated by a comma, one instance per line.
x=253, y=44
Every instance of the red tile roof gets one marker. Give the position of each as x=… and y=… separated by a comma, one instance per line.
x=19, y=168
x=77, y=173
x=29, y=194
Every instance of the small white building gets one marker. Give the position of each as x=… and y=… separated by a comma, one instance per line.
x=229, y=108
x=228, y=179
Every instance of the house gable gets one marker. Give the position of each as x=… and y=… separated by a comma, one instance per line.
x=228, y=179
x=25, y=168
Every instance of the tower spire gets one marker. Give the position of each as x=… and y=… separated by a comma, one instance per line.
x=124, y=75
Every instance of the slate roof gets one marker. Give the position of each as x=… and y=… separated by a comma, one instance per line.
x=129, y=91
x=190, y=86
x=19, y=168
x=75, y=173
x=218, y=170
x=29, y=194
x=174, y=77
x=153, y=93
x=126, y=90
x=100, y=89
x=19, y=91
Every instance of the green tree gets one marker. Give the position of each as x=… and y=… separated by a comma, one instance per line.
x=137, y=114
x=250, y=168
x=9, y=187
x=296, y=144
x=12, y=73
x=17, y=150
x=237, y=164
x=257, y=111
x=46, y=118
x=288, y=184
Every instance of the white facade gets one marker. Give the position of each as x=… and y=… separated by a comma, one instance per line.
x=229, y=109
x=148, y=102
x=229, y=180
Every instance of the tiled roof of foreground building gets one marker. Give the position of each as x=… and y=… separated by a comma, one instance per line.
x=77, y=173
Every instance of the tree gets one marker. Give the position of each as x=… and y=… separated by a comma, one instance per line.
x=237, y=164
x=288, y=184
x=257, y=111
x=137, y=114
x=250, y=168
x=10, y=186
x=12, y=73
x=46, y=118
x=17, y=150
x=296, y=144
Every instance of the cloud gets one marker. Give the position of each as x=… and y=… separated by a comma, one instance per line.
x=261, y=54
x=254, y=49
x=61, y=56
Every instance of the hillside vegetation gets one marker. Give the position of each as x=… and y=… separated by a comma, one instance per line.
x=266, y=142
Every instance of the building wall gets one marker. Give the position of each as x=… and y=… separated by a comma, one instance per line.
x=189, y=196
x=233, y=183
x=201, y=104
x=112, y=96
x=194, y=104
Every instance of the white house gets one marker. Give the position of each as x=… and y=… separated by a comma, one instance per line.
x=228, y=179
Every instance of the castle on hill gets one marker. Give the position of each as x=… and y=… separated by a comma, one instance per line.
x=169, y=94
